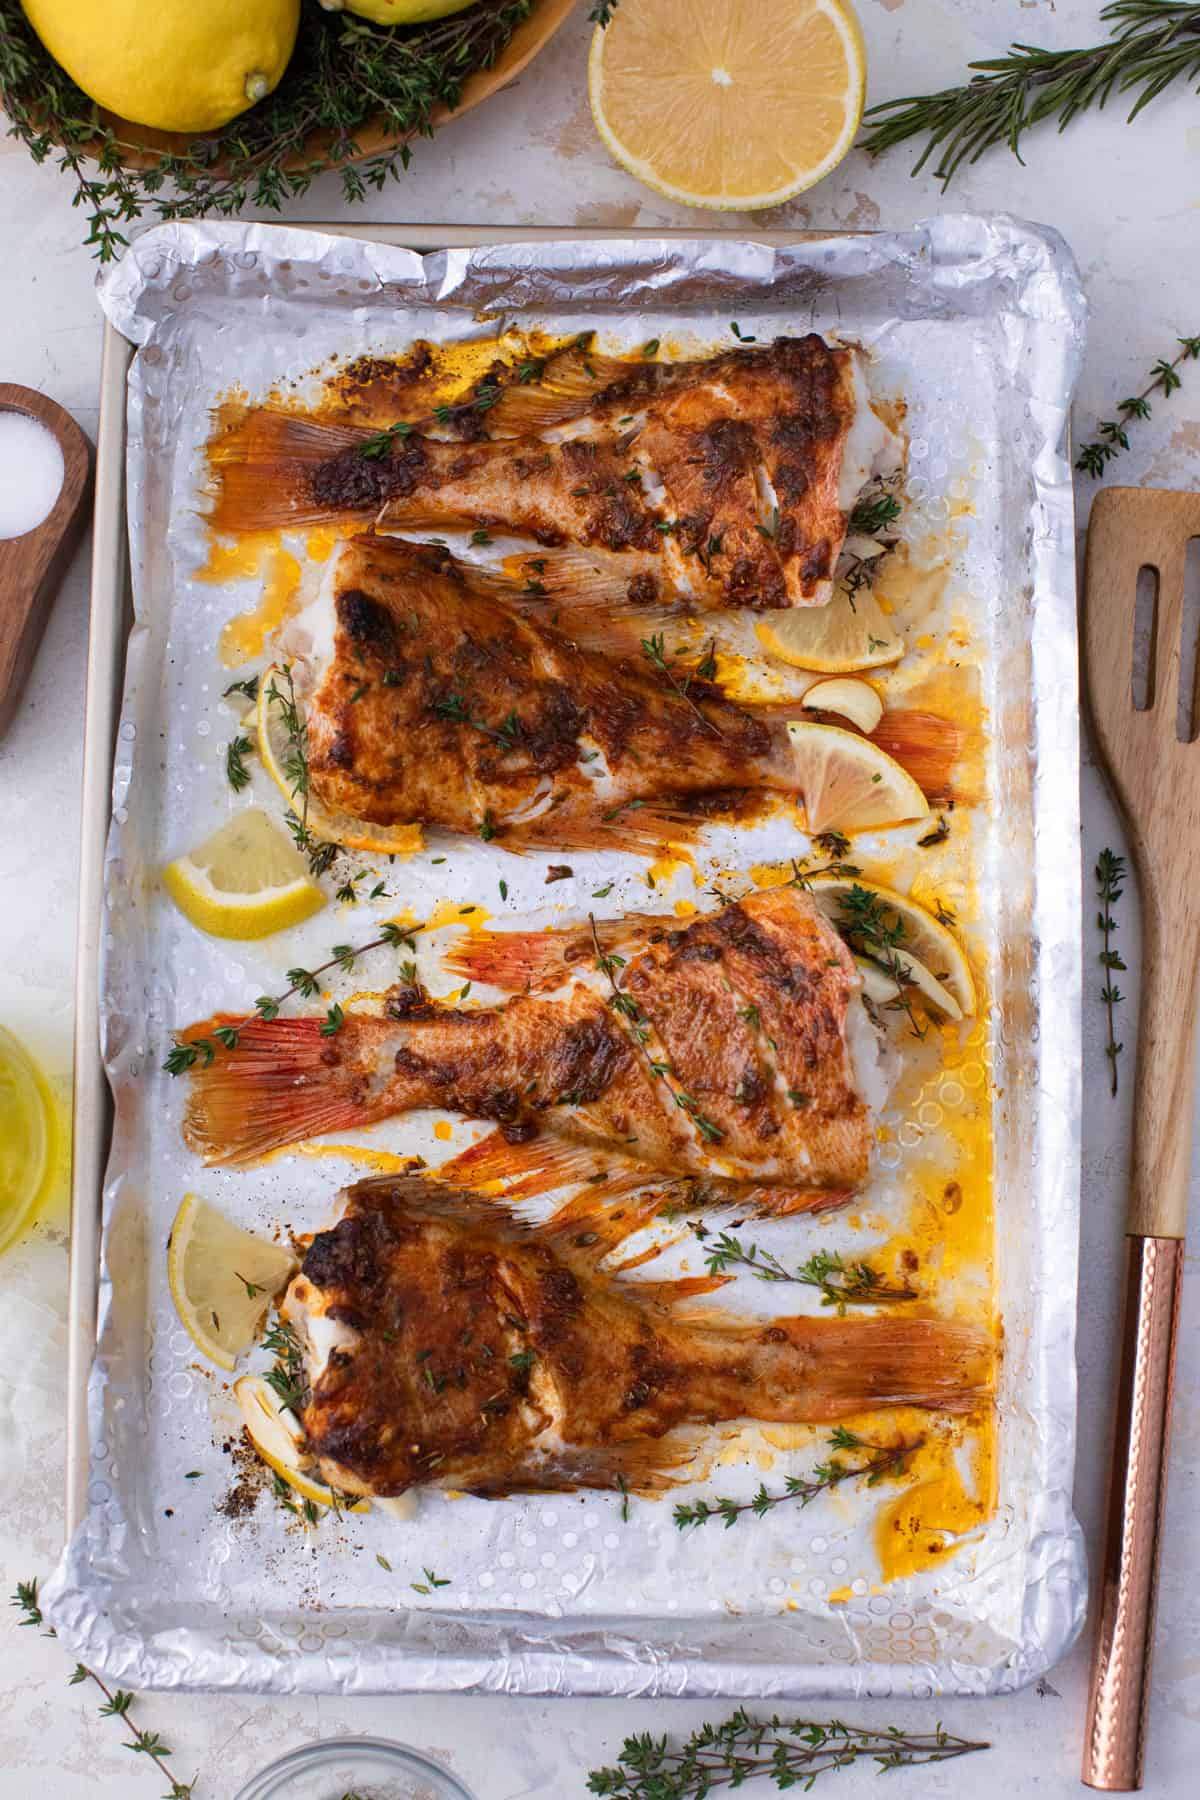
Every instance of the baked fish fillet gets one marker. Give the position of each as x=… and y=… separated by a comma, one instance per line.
x=726, y=482
x=447, y=1344
x=432, y=699
x=735, y=1048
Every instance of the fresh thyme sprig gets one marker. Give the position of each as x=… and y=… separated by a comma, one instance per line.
x=345, y=75
x=1151, y=44
x=654, y=650
x=610, y=965
x=295, y=767
x=1110, y=877
x=286, y=1376
x=304, y=982
x=117, y=1701
x=873, y=515
x=236, y=772
x=878, y=1461
x=791, y=1753
x=1093, y=458
x=840, y=1283
x=865, y=925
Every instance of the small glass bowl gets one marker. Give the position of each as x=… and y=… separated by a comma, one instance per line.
x=366, y=1768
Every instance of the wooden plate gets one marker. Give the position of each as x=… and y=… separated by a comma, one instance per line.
x=142, y=146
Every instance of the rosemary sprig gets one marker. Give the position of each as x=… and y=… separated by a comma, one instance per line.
x=840, y=1283
x=117, y=1701
x=1110, y=877
x=304, y=982
x=1093, y=458
x=878, y=1461
x=345, y=74
x=791, y=1753
x=1151, y=44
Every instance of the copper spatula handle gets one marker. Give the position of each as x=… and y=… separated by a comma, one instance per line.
x=1115, y=1738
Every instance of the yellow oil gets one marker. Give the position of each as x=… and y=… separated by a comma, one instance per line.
x=26, y=1139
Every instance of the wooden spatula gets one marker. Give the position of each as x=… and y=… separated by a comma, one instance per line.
x=1155, y=776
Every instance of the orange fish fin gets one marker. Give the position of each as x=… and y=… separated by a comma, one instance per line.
x=926, y=744
x=271, y=1088
x=260, y=464
x=685, y=1287
x=536, y=962
x=642, y=827
x=535, y=1167
x=548, y=390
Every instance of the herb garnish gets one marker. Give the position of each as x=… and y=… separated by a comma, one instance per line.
x=1110, y=877
x=1164, y=379
x=789, y=1752
x=295, y=767
x=344, y=75
x=304, y=982
x=117, y=1701
x=248, y=688
x=865, y=926
x=382, y=443
x=430, y=1582
x=1151, y=44
x=287, y=1376
x=879, y=1460
x=840, y=1283
x=871, y=516
x=655, y=653
x=236, y=772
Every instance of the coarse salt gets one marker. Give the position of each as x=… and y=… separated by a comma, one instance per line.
x=31, y=473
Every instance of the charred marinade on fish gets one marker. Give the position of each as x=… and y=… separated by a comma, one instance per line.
x=448, y=1344
x=727, y=482
x=734, y=1048
x=431, y=697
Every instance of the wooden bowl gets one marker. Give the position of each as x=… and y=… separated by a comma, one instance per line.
x=142, y=146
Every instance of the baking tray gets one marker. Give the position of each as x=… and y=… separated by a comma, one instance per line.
x=527, y=1660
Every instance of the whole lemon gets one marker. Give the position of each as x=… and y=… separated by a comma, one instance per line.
x=178, y=65
x=398, y=12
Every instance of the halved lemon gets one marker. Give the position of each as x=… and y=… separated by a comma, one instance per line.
x=245, y=881
x=278, y=1436
x=849, y=783
x=327, y=824
x=728, y=103
x=222, y=1279
x=854, y=700
x=837, y=639
x=926, y=954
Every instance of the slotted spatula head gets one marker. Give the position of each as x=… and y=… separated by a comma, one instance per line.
x=1154, y=768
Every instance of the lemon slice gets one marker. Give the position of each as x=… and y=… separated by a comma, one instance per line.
x=245, y=881
x=327, y=824
x=222, y=1279
x=854, y=700
x=278, y=1436
x=833, y=640
x=927, y=955
x=728, y=103
x=849, y=783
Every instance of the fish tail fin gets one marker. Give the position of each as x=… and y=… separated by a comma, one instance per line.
x=268, y=1086
x=640, y=827
x=927, y=745
x=538, y=1167
x=813, y=1370
x=261, y=465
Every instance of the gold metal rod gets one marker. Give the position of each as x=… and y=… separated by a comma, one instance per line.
x=1118, y=1700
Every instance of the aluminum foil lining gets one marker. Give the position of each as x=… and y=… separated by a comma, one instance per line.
x=979, y=324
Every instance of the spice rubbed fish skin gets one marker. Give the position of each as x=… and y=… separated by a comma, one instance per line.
x=728, y=480
x=446, y=1343
x=743, y=1070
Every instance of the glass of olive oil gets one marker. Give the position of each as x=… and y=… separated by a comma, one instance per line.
x=25, y=1138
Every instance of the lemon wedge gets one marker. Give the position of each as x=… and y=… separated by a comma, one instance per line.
x=849, y=783
x=850, y=633
x=222, y=1279
x=926, y=955
x=854, y=700
x=728, y=103
x=327, y=824
x=245, y=881
x=278, y=1436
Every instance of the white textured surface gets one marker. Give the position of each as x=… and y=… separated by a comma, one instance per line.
x=1126, y=201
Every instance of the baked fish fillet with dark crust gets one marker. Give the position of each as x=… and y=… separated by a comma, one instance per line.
x=726, y=482
x=448, y=1344
x=736, y=1048
x=433, y=699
